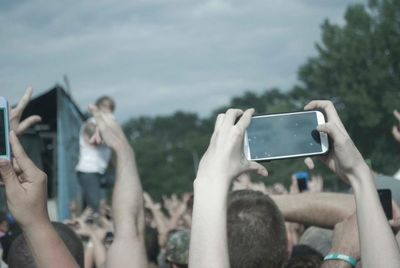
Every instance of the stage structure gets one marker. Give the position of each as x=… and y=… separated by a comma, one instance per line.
x=54, y=144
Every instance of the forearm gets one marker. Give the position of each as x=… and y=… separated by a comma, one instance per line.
x=99, y=251
x=318, y=209
x=128, y=248
x=208, y=242
x=162, y=226
x=47, y=247
x=128, y=196
x=377, y=242
x=88, y=256
x=335, y=264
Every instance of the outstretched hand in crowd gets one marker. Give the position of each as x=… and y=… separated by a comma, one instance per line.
x=26, y=192
x=127, y=249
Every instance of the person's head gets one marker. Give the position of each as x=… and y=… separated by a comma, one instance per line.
x=20, y=255
x=256, y=231
x=3, y=222
x=177, y=249
x=304, y=257
x=105, y=104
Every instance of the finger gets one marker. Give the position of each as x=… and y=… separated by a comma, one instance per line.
x=309, y=163
x=16, y=167
x=8, y=174
x=332, y=130
x=95, y=112
x=28, y=122
x=396, y=133
x=328, y=107
x=218, y=121
x=395, y=210
x=245, y=120
x=395, y=224
x=231, y=115
x=397, y=115
x=23, y=161
x=257, y=168
x=24, y=100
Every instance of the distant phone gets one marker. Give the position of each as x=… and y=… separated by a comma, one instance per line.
x=4, y=130
x=285, y=135
x=302, y=180
x=385, y=196
x=109, y=238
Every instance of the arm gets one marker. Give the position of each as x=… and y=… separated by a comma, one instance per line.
x=26, y=191
x=159, y=218
x=95, y=248
x=345, y=241
x=318, y=209
x=89, y=255
x=378, y=244
x=128, y=248
x=223, y=161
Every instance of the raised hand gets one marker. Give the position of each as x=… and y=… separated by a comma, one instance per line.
x=26, y=187
x=224, y=157
x=110, y=131
x=343, y=158
x=16, y=113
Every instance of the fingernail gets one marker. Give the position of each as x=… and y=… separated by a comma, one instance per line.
x=264, y=172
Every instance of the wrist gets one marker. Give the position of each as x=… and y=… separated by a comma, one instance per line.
x=36, y=226
x=335, y=264
x=208, y=186
x=345, y=250
x=341, y=259
x=359, y=174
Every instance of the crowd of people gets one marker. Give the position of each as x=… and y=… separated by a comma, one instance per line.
x=227, y=221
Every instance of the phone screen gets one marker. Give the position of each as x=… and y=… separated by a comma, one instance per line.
x=3, y=150
x=302, y=180
x=385, y=196
x=283, y=135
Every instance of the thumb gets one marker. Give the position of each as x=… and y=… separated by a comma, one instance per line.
x=7, y=173
x=257, y=168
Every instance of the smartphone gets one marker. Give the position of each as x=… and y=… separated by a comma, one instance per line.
x=385, y=196
x=302, y=180
x=4, y=130
x=285, y=135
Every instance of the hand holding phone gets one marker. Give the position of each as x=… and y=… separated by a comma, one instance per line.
x=285, y=135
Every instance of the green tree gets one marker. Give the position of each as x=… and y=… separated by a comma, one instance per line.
x=357, y=67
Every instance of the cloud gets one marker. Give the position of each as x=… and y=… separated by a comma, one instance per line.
x=157, y=56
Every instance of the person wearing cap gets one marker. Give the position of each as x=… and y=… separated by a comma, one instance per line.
x=177, y=249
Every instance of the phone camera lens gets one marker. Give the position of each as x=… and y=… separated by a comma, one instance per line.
x=316, y=136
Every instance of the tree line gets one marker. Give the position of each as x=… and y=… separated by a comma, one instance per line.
x=357, y=67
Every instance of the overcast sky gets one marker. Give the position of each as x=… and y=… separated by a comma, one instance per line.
x=159, y=56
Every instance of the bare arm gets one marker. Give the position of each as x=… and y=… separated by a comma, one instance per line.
x=159, y=218
x=318, y=209
x=377, y=242
x=223, y=161
x=128, y=248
